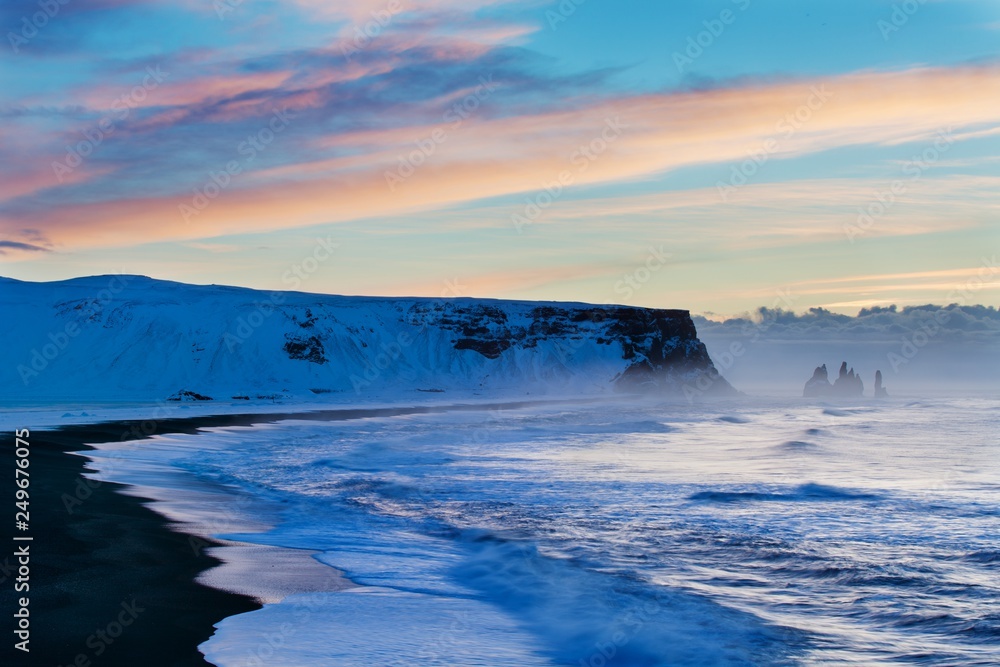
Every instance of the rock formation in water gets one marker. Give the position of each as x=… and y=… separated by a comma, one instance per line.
x=818, y=384
x=847, y=385
x=880, y=391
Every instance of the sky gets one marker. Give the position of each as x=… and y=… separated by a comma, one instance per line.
x=714, y=156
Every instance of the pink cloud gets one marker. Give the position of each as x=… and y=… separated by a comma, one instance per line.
x=185, y=92
x=363, y=10
x=491, y=157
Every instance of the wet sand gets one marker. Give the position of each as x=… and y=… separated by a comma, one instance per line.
x=113, y=566
x=113, y=582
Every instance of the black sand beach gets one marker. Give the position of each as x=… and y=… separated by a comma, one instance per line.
x=113, y=560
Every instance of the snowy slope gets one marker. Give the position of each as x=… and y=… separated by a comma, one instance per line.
x=135, y=338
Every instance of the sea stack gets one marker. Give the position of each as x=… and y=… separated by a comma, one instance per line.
x=880, y=391
x=848, y=383
x=818, y=384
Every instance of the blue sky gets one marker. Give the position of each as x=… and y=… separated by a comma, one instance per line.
x=714, y=156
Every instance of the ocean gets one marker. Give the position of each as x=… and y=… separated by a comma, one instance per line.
x=628, y=532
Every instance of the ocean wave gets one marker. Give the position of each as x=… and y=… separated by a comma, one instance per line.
x=803, y=492
x=589, y=617
x=797, y=444
x=625, y=427
x=730, y=419
x=983, y=556
x=531, y=535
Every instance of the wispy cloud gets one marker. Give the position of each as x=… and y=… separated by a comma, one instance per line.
x=17, y=245
x=332, y=167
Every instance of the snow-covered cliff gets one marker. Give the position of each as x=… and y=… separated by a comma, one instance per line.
x=131, y=337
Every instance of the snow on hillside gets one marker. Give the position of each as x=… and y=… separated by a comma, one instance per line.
x=134, y=338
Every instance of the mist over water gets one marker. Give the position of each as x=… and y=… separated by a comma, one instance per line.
x=763, y=532
x=921, y=351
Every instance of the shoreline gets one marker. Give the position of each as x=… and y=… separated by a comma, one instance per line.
x=140, y=414
x=209, y=512
x=112, y=581
x=115, y=582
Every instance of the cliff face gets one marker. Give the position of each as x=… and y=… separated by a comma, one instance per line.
x=656, y=348
x=121, y=337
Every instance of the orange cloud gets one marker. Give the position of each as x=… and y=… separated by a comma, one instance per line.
x=774, y=214
x=629, y=138
x=40, y=175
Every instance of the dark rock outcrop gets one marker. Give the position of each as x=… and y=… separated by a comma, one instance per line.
x=491, y=348
x=847, y=385
x=818, y=384
x=305, y=349
x=880, y=391
x=187, y=395
x=661, y=346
